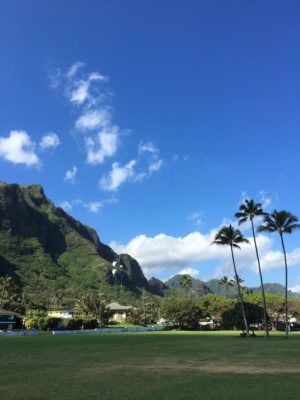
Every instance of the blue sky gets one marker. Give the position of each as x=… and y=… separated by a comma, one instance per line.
x=151, y=121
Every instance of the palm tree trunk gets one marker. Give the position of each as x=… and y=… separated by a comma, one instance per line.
x=240, y=294
x=286, y=335
x=261, y=282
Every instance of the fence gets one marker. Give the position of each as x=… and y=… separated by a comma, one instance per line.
x=111, y=330
x=20, y=333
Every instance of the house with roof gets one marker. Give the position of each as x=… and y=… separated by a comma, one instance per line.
x=9, y=320
x=65, y=314
x=119, y=313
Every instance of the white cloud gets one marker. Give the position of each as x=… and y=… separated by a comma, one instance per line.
x=148, y=147
x=107, y=143
x=80, y=93
x=55, y=78
x=18, y=148
x=70, y=175
x=72, y=71
x=295, y=289
x=94, y=206
x=196, y=217
x=163, y=252
x=80, y=89
x=154, y=163
x=94, y=113
x=118, y=175
x=93, y=119
x=66, y=205
x=155, y=166
x=49, y=140
x=189, y=271
x=264, y=199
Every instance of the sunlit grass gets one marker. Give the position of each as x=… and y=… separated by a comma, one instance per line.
x=152, y=365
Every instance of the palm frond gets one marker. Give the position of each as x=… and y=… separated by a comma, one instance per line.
x=279, y=221
x=228, y=235
x=249, y=210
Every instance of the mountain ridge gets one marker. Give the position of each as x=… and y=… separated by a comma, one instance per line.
x=44, y=249
x=216, y=288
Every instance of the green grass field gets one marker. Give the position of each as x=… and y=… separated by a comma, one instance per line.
x=154, y=365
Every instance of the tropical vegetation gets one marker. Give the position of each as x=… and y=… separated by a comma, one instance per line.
x=282, y=222
x=229, y=236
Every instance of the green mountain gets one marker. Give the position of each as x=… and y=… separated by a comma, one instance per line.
x=45, y=250
x=275, y=288
x=214, y=287
x=199, y=287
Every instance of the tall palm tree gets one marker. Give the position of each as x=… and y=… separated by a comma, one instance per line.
x=229, y=236
x=248, y=211
x=281, y=222
x=186, y=283
x=226, y=283
x=235, y=281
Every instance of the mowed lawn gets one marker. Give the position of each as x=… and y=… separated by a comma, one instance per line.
x=154, y=365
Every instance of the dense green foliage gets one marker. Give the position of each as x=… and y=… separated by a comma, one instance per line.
x=233, y=317
x=184, y=313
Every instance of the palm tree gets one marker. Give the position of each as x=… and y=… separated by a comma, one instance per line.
x=281, y=222
x=229, y=236
x=93, y=305
x=226, y=283
x=7, y=290
x=235, y=281
x=248, y=211
x=186, y=283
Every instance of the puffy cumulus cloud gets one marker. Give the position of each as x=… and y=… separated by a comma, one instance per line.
x=118, y=175
x=163, y=252
x=274, y=259
x=70, y=174
x=49, y=140
x=295, y=289
x=18, y=148
x=103, y=146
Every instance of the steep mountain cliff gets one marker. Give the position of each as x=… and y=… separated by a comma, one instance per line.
x=44, y=249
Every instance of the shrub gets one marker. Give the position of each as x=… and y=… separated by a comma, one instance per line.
x=36, y=319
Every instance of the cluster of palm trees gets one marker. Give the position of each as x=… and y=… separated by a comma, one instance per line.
x=282, y=222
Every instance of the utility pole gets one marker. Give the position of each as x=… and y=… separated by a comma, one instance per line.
x=117, y=269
